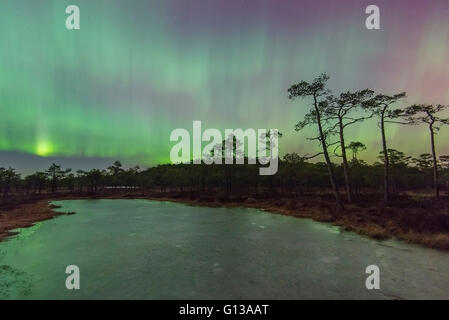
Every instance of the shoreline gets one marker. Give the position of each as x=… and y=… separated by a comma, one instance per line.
x=374, y=222
x=24, y=216
x=438, y=241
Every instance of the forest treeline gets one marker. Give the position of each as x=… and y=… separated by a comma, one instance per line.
x=329, y=114
x=295, y=176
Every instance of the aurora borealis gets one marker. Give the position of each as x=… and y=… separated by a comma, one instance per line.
x=136, y=70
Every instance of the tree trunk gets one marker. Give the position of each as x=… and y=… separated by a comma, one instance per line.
x=435, y=166
x=386, y=160
x=328, y=161
x=345, y=163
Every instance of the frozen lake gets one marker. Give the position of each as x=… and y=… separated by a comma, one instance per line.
x=141, y=249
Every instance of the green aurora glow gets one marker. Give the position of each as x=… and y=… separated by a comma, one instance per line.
x=139, y=69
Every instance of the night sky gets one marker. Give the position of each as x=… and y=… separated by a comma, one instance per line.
x=136, y=70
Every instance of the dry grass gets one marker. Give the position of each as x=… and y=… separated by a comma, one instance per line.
x=438, y=240
x=24, y=216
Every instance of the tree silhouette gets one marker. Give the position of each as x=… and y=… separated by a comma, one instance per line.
x=115, y=170
x=39, y=179
x=427, y=114
x=81, y=178
x=381, y=106
x=231, y=152
x=340, y=110
x=397, y=162
x=55, y=173
x=94, y=178
x=356, y=147
x=317, y=91
x=8, y=178
x=270, y=138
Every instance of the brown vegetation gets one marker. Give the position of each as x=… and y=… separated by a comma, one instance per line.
x=24, y=215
